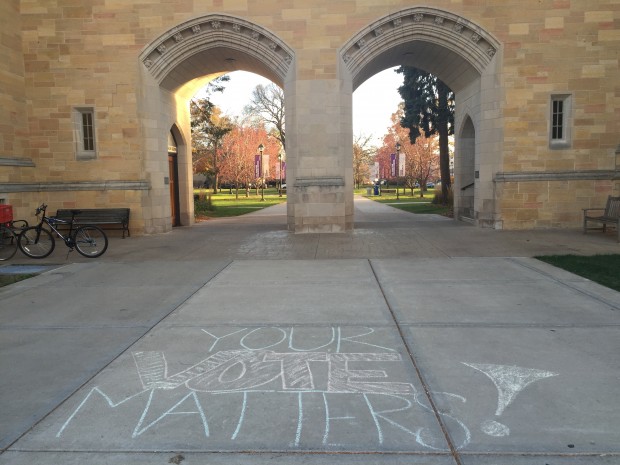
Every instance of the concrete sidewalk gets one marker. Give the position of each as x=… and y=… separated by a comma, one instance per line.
x=414, y=339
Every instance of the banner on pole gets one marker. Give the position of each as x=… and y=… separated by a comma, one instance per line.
x=281, y=170
x=258, y=169
x=401, y=164
x=393, y=164
x=264, y=166
x=374, y=171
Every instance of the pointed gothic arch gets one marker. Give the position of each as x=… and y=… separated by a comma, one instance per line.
x=463, y=55
x=175, y=57
x=434, y=35
x=174, y=66
x=467, y=170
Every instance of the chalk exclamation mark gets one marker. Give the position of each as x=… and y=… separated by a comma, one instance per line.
x=509, y=381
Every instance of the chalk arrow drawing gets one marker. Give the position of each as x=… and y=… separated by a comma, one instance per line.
x=509, y=380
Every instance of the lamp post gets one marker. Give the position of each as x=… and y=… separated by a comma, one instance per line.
x=280, y=161
x=261, y=147
x=397, y=168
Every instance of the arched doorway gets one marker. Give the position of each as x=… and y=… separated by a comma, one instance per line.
x=466, y=58
x=174, y=67
x=173, y=181
x=467, y=172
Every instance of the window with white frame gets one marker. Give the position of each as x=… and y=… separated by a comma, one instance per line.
x=84, y=133
x=560, y=122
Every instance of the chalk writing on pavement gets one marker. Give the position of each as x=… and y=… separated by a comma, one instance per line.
x=323, y=390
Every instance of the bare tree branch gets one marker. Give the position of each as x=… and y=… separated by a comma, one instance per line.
x=267, y=103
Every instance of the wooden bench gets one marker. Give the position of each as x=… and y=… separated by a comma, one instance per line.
x=611, y=215
x=387, y=191
x=98, y=216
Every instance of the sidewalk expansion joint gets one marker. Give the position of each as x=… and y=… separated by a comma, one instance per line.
x=237, y=452
x=481, y=324
x=147, y=329
x=427, y=390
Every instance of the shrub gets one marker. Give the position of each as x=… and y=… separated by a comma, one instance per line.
x=203, y=203
x=438, y=199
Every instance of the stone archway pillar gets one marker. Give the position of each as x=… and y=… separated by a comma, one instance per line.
x=319, y=132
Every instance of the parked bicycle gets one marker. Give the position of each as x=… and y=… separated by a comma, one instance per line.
x=8, y=242
x=38, y=242
x=9, y=230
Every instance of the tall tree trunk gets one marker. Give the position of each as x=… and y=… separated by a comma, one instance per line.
x=215, y=175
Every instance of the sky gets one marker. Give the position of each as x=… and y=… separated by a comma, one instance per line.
x=373, y=102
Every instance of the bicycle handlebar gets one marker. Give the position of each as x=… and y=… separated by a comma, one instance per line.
x=40, y=209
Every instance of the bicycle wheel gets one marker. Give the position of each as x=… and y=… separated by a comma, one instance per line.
x=36, y=242
x=90, y=241
x=8, y=243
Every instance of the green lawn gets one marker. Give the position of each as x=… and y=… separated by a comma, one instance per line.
x=602, y=269
x=225, y=204
x=6, y=279
x=411, y=204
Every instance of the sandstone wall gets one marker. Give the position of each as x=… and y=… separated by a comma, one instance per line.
x=65, y=54
x=15, y=162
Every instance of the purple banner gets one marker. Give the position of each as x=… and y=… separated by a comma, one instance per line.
x=393, y=164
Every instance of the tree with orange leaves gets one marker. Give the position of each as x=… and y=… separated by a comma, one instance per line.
x=239, y=149
x=421, y=157
x=208, y=129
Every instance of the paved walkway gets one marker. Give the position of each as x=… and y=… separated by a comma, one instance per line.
x=414, y=339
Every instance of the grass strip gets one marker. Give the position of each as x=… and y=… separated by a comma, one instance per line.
x=6, y=279
x=423, y=208
x=602, y=269
x=414, y=204
x=224, y=204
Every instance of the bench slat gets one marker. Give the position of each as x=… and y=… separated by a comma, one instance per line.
x=610, y=215
x=99, y=216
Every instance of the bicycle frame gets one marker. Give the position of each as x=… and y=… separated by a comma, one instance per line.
x=38, y=241
x=51, y=221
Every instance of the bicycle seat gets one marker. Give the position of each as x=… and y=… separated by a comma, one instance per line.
x=76, y=212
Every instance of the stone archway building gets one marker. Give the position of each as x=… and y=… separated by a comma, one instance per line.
x=90, y=96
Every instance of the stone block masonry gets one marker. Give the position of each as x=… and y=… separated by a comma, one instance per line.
x=133, y=66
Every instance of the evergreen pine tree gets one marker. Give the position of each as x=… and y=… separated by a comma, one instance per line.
x=429, y=108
